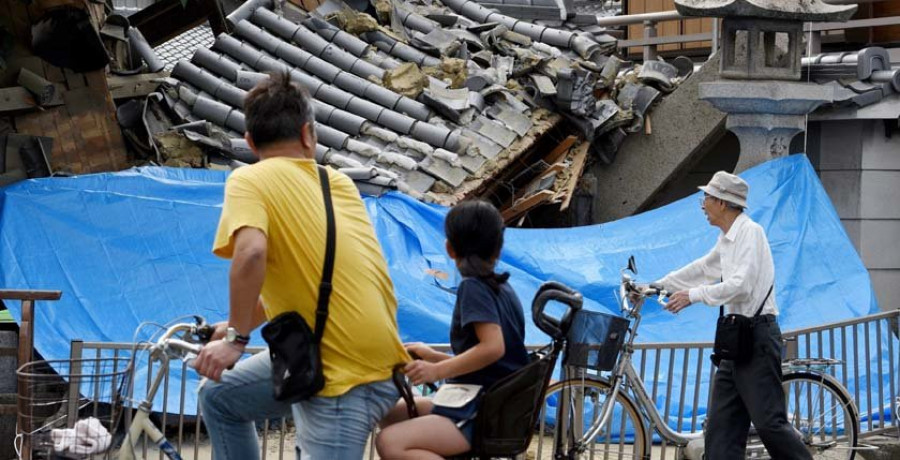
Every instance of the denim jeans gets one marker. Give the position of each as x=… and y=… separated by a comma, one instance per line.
x=333, y=428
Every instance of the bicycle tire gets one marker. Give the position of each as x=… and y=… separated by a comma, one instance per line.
x=821, y=410
x=629, y=438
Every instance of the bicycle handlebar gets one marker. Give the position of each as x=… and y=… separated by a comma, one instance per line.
x=553, y=290
x=183, y=346
x=200, y=330
x=629, y=287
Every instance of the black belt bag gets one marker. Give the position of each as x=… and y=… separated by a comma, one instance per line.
x=293, y=346
x=734, y=335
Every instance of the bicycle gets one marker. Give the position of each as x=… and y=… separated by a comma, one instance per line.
x=607, y=417
x=63, y=393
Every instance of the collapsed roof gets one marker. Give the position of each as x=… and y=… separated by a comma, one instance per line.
x=433, y=102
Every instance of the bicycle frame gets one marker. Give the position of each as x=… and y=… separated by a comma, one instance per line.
x=141, y=424
x=626, y=377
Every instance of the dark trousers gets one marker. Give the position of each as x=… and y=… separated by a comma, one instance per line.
x=751, y=392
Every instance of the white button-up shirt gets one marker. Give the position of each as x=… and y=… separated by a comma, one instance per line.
x=742, y=261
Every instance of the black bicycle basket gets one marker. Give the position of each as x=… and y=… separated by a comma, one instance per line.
x=594, y=340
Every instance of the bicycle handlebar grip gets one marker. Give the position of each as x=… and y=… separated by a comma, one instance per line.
x=552, y=290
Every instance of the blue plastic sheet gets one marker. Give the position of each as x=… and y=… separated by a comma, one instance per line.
x=135, y=246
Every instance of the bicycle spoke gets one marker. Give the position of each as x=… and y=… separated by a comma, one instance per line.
x=578, y=405
x=822, y=414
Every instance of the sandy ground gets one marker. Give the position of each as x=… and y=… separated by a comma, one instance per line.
x=277, y=447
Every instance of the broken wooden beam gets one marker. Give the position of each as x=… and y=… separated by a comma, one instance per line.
x=579, y=159
x=18, y=98
x=526, y=204
x=561, y=150
x=129, y=86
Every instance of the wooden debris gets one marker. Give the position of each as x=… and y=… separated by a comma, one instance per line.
x=44, y=92
x=18, y=98
x=140, y=85
x=489, y=178
x=579, y=160
x=526, y=204
x=561, y=150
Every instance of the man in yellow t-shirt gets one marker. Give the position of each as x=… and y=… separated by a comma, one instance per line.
x=273, y=227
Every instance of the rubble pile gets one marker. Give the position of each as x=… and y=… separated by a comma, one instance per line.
x=441, y=100
x=426, y=98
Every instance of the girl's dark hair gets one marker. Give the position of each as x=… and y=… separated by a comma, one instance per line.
x=475, y=232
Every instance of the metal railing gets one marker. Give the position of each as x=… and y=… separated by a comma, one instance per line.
x=868, y=348
x=677, y=375
x=651, y=41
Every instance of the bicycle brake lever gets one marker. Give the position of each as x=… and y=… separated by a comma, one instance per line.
x=205, y=332
x=663, y=295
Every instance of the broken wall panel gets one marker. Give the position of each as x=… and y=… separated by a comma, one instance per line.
x=82, y=123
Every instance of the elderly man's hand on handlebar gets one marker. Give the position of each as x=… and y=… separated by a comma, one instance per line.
x=678, y=301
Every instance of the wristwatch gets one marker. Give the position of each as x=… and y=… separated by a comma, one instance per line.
x=232, y=336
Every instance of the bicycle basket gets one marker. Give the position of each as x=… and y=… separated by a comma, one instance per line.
x=594, y=340
x=84, y=397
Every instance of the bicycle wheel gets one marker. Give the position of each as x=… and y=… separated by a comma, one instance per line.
x=571, y=407
x=822, y=413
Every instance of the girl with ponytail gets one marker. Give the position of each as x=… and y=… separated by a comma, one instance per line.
x=487, y=336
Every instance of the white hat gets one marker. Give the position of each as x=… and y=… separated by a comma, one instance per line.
x=727, y=187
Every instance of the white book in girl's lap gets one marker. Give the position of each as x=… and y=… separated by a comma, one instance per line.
x=455, y=395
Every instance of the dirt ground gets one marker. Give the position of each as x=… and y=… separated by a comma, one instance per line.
x=278, y=447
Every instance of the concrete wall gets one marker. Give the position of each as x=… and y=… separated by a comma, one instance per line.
x=860, y=169
x=684, y=128
x=723, y=156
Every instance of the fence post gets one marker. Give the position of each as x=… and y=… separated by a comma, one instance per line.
x=26, y=349
x=75, y=356
x=650, y=53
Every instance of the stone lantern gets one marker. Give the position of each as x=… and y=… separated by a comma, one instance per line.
x=759, y=86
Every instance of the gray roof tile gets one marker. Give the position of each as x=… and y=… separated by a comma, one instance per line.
x=862, y=78
x=427, y=146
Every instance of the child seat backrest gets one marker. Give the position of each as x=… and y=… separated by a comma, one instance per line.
x=510, y=409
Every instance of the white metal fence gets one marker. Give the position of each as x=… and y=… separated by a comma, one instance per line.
x=676, y=375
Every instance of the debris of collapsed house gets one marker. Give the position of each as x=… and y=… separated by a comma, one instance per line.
x=433, y=99
x=441, y=101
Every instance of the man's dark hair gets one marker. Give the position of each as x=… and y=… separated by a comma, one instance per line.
x=276, y=109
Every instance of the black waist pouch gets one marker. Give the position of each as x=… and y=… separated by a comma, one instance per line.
x=296, y=361
x=734, y=339
x=734, y=335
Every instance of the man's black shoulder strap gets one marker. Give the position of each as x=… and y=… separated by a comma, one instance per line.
x=328, y=269
x=758, y=311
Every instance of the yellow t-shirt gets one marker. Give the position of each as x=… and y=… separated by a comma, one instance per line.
x=283, y=197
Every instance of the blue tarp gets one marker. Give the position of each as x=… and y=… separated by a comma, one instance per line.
x=134, y=246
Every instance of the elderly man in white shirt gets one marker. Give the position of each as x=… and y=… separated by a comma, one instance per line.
x=739, y=274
